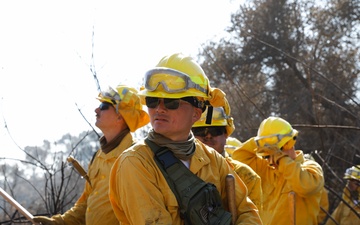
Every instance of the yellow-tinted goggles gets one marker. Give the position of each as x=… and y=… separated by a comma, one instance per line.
x=172, y=81
x=271, y=140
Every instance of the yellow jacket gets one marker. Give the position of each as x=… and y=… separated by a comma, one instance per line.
x=343, y=215
x=251, y=179
x=305, y=178
x=139, y=193
x=324, y=203
x=93, y=206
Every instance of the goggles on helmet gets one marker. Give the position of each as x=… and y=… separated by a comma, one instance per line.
x=112, y=96
x=172, y=81
x=271, y=140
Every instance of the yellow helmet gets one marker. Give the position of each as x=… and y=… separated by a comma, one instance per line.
x=276, y=132
x=126, y=102
x=176, y=76
x=219, y=118
x=232, y=144
x=353, y=173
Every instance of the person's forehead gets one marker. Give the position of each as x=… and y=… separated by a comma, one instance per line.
x=354, y=181
x=210, y=127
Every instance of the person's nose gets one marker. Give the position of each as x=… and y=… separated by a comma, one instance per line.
x=208, y=136
x=161, y=105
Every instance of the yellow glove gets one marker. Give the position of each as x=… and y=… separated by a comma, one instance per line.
x=44, y=220
x=272, y=154
x=277, y=156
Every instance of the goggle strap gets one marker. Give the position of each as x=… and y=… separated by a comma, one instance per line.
x=117, y=107
x=198, y=87
x=209, y=114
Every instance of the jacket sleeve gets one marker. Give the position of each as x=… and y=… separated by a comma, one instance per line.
x=142, y=199
x=246, y=153
x=305, y=178
x=335, y=215
x=247, y=212
x=251, y=179
x=324, y=203
x=75, y=215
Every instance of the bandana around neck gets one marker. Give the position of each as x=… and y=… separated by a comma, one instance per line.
x=107, y=147
x=182, y=150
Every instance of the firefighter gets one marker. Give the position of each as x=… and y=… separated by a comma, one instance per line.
x=119, y=113
x=216, y=135
x=343, y=215
x=231, y=144
x=174, y=92
x=291, y=185
x=324, y=201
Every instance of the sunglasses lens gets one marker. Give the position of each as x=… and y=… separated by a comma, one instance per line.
x=213, y=131
x=104, y=106
x=152, y=102
x=216, y=131
x=171, y=103
x=198, y=131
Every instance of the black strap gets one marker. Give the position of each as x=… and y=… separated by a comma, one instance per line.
x=209, y=114
x=180, y=179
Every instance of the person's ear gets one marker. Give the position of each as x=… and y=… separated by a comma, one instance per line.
x=120, y=117
x=197, y=114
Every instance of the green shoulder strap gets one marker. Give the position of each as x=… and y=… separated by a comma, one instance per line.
x=180, y=179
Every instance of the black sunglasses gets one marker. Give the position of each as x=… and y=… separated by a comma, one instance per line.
x=213, y=131
x=170, y=103
x=105, y=106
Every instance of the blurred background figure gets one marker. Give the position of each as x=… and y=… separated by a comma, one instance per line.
x=119, y=113
x=348, y=210
x=216, y=135
x=292, y=185
x=324, y=201
x=231, y=144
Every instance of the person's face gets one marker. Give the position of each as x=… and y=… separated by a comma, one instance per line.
x=212, y=136
x=353, y=184
x=106, y=116
x=174, y=124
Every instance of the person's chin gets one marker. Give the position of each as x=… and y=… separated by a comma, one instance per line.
x=160, y=128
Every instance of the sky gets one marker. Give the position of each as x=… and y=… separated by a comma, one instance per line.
x=46, y=50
